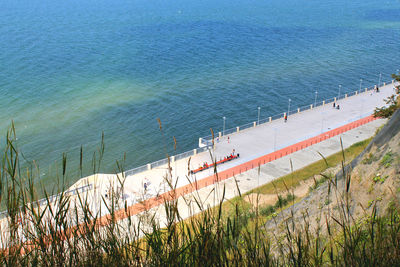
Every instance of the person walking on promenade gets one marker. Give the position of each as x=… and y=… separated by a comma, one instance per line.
x=228, y=139
x=334, y=104
x=285, y=118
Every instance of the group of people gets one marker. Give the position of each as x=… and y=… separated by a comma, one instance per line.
x=205, y=165
x=336, y=106
x=226, y=139
x=231, y=156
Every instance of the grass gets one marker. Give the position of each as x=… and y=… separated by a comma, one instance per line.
x=48, y=236
x=387, y=159
x=288, y=182
x=294, y=179
x=280, y=203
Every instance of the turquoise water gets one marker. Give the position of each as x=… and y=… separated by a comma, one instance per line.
x=72, y=69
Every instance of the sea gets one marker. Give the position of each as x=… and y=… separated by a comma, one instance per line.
x=73, y=70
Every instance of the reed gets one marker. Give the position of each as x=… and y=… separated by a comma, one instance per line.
x=66, y=231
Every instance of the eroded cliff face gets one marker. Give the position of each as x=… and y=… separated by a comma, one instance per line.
x=368, y=185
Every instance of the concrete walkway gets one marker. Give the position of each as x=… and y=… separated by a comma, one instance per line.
x=211, y=196
x=250, y=143
x=257, y=141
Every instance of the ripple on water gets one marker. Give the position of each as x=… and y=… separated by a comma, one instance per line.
x=69, y=72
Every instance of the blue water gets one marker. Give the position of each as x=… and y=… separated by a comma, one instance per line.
x=72, y=69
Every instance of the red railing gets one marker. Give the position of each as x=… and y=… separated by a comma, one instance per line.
x=223, y=175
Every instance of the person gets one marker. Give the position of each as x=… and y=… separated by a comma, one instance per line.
x=285, y=118
x=228, y=139
x=334, y=104
x=338, y=107
x=233, y=152
x=377, y=89
x=145, y=186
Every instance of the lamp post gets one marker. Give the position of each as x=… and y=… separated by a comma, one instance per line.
x=360, y=84
x=288, y=110
x=223, y=129
x=340, y=88
x=380, y=78
x=258, y=118
x=315, y=99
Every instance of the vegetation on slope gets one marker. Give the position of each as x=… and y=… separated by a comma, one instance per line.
x=47, y=236
x=392, y=102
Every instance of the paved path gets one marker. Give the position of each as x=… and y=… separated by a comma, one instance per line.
x=263, y=139
x=211, y=195
x=250, y=144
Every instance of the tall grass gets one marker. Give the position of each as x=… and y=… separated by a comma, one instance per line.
x=67, y=232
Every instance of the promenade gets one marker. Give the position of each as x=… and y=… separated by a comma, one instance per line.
x=251, y=143
x=267, y=151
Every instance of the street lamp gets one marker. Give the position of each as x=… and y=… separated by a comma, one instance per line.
x=288, y=110
x=315, y=99
x=360, y=84
x=223, y=129
x=258, y=119
x=340, y=88
x=380, y=78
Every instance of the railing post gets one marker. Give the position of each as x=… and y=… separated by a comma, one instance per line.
x=173, y=158
x=366, y=89
x=334, y=100
x=194, y=152
x=254, y=123
x=237, y=129
x=298, y=110
x=356, y=92
x=311, y=106
x=219, y=134
x=345, y=96
x=384, y=83
x=149, y=166
x=323, y=103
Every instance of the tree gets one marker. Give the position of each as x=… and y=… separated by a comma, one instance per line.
x=392, y=101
